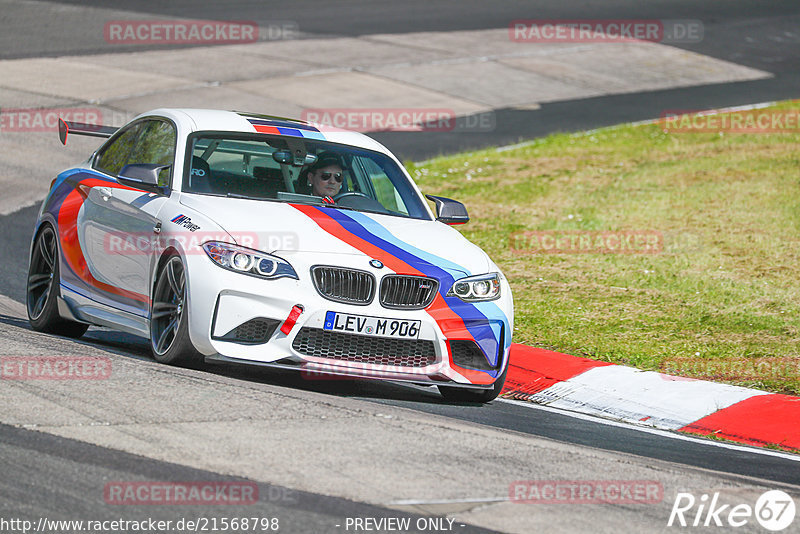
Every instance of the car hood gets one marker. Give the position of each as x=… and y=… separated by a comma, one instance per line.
x=294, y=229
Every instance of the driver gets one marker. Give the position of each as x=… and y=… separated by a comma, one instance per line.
x=325, y=175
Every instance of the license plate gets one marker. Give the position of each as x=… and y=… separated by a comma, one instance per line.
x=371, y=326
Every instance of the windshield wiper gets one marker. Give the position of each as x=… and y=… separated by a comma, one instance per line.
x=338, y=207
x=307, y=203
x=245, y=197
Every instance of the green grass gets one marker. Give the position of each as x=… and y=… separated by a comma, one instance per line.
x=725, y=287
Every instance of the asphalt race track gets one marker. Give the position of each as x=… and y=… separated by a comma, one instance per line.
x=761, y=35
x=322, y=452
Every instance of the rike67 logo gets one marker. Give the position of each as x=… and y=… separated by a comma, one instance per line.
x=774, y=510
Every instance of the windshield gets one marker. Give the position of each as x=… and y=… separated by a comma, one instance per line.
x=247, y=166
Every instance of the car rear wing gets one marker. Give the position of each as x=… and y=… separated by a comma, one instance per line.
x=80, y=128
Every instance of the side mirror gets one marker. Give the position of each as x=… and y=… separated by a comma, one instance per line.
x=449, y=211
x=143, y=176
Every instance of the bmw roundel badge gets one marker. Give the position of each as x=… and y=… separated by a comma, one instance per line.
x=376, y=263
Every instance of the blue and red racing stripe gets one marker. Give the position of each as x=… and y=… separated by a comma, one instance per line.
x=458, y=319
x=291, y=129
x=64, y=203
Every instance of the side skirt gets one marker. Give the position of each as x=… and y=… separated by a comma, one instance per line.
x=74, y=306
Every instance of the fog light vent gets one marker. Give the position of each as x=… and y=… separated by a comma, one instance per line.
x=469, y=355
x=252, y=332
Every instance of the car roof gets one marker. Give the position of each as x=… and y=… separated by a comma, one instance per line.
x=235, y=121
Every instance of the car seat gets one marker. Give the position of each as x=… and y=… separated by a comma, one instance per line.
x=270, y=181
x=200, y=176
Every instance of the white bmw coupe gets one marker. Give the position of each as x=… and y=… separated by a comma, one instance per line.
x=235, y=237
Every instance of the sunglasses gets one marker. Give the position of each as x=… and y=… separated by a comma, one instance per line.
x=327, y=176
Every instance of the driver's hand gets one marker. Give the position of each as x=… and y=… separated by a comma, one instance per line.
x=328, y=200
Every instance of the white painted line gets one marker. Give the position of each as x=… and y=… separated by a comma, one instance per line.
x=12, y=308
x=656, y=431
x=630, y=394
x=451, y=501
x=506, y=148
x=15, y=206
x=717, y=111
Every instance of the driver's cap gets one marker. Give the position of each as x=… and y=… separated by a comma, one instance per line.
x=325, y=159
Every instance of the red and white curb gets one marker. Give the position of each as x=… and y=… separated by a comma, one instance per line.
x=652, y=399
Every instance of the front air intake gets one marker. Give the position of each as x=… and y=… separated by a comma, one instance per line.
x=407, y=292
x=364, y=349
x=467, y=354
x=253, y=332
x=348, y=286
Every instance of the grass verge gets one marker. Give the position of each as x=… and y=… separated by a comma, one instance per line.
x=717, y=299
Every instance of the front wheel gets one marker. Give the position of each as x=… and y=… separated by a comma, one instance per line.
x=454, y=394
x=169, y=330
x=42, y=289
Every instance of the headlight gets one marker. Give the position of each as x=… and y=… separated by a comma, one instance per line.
x=247, y=261
x=476, y=288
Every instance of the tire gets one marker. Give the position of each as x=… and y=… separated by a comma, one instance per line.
x=169, y=318
x=454, y=394
x=41, y=296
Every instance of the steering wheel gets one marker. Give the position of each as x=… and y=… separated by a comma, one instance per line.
x=349, y=194
x=359, y=201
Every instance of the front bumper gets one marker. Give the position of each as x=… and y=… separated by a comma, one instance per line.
x=221, y=301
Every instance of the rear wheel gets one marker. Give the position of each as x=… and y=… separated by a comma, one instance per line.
x=42, y=289
x=169, y=330
x=454, y=394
